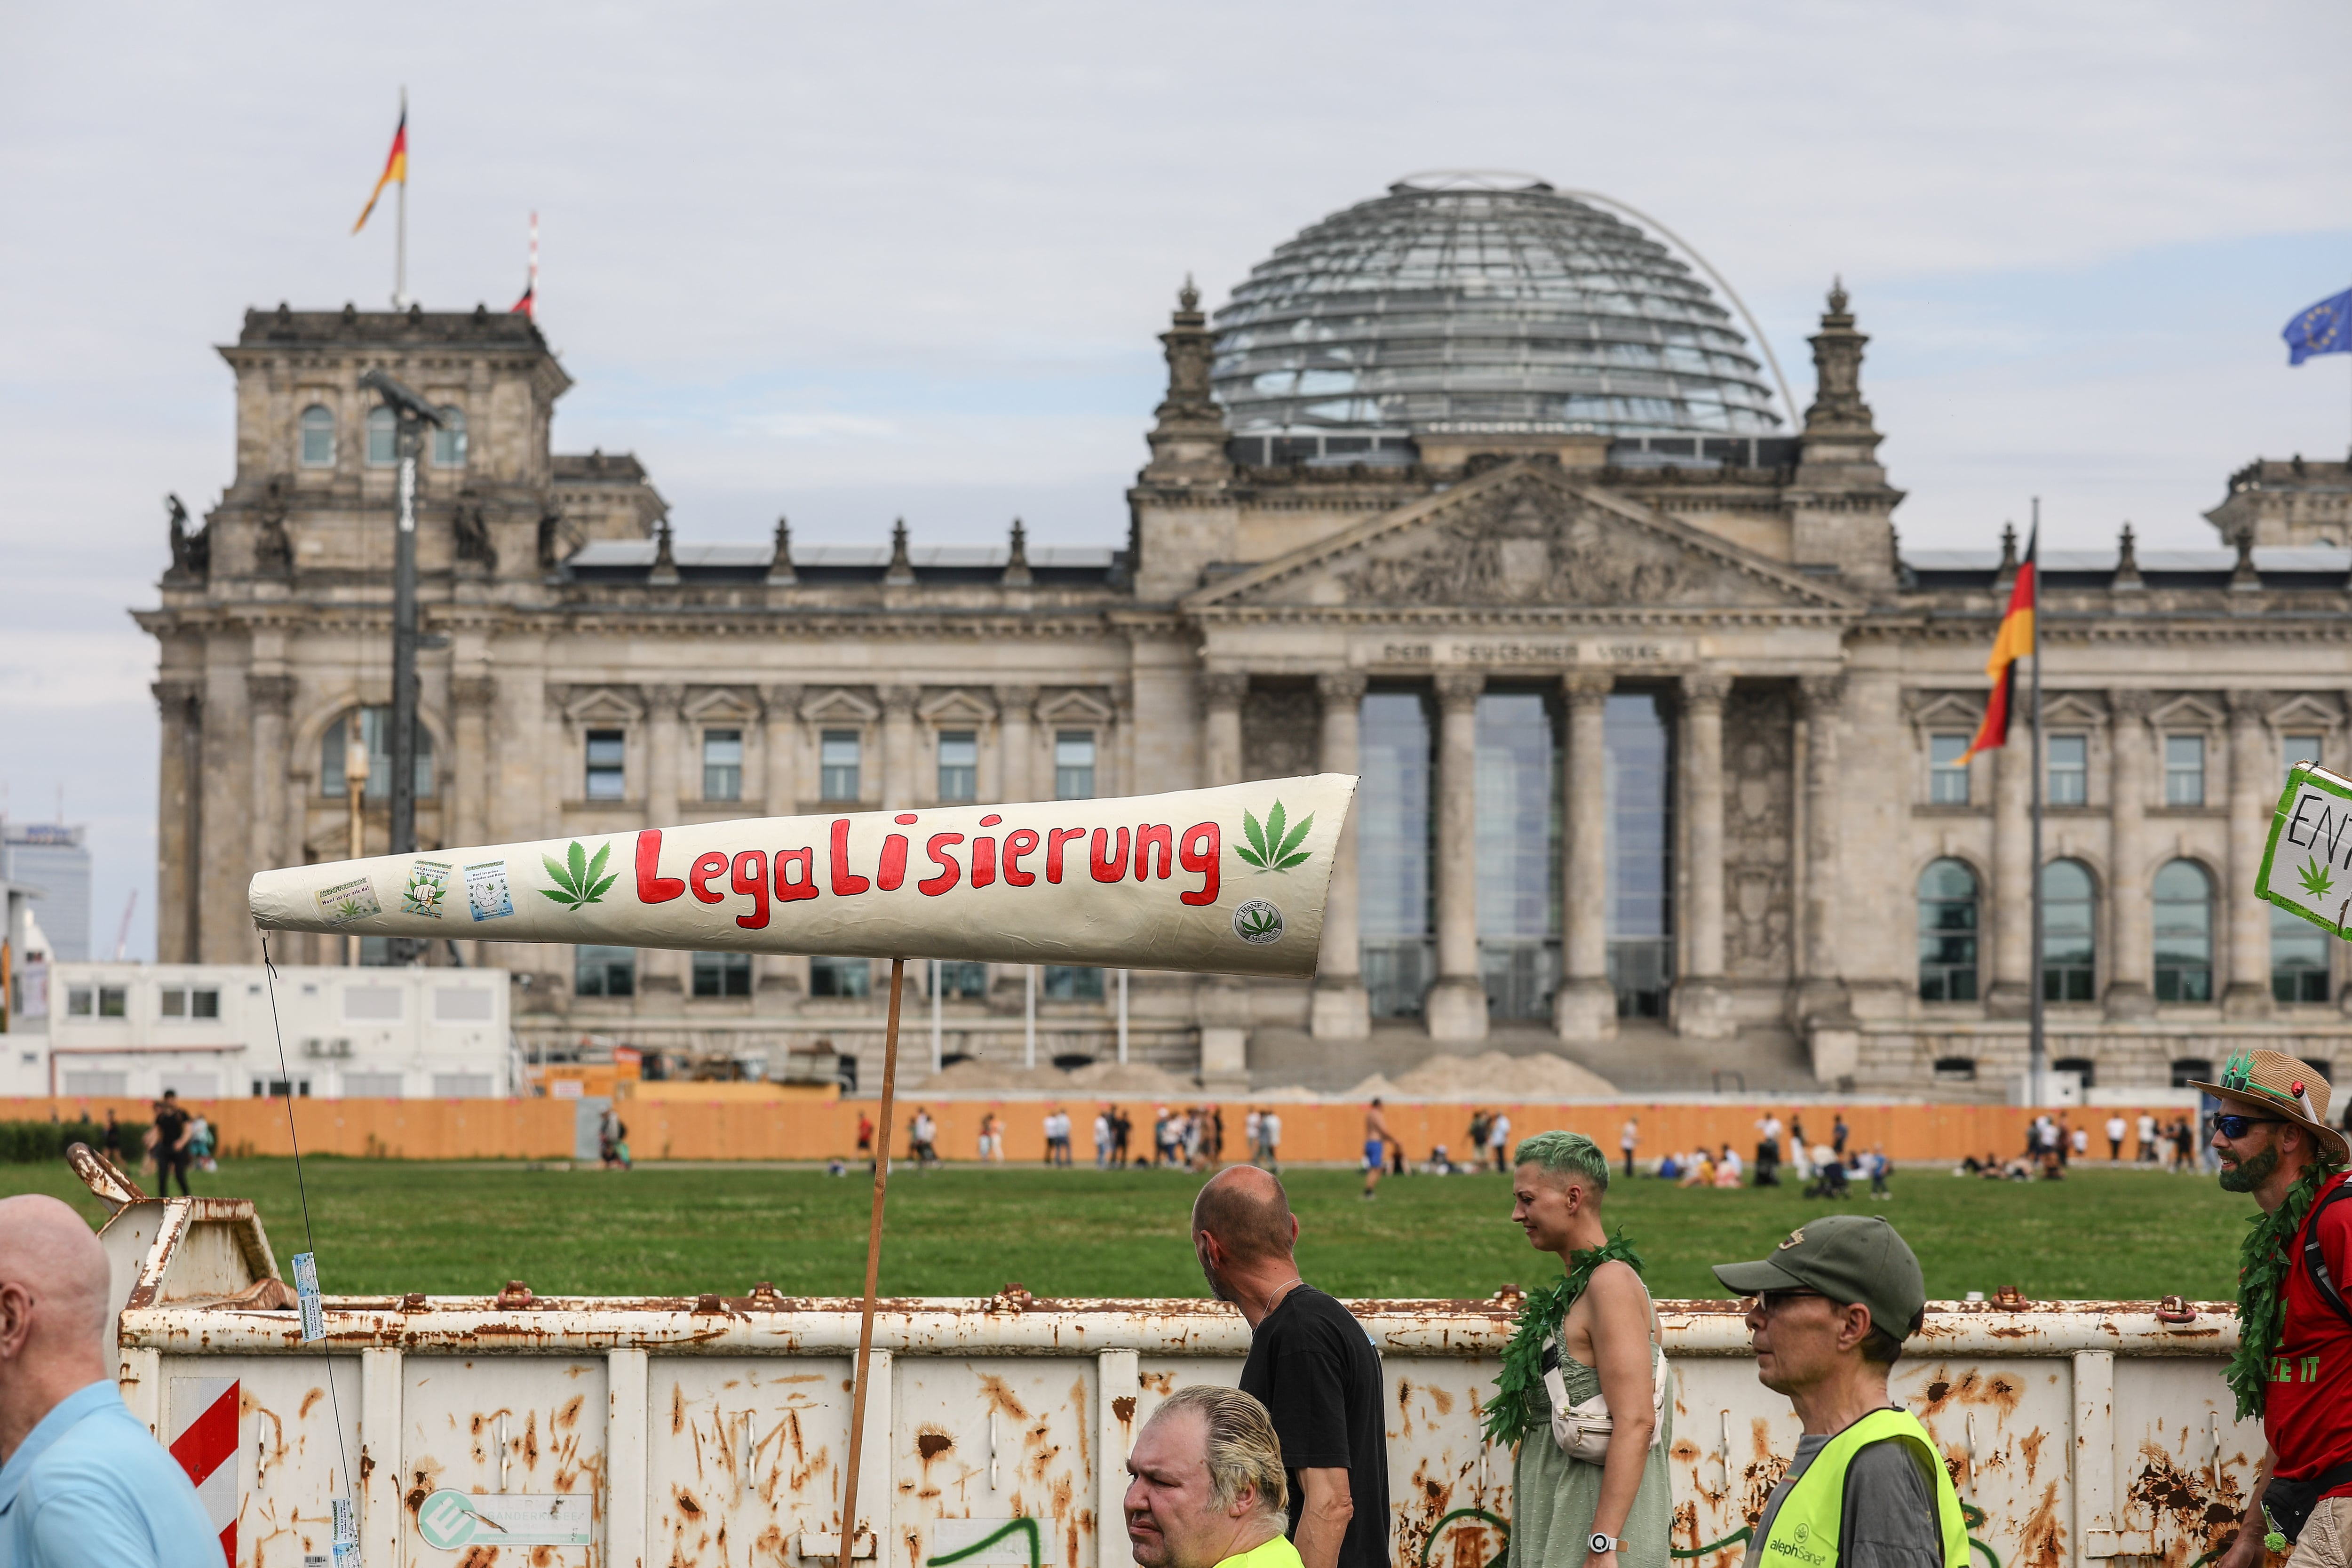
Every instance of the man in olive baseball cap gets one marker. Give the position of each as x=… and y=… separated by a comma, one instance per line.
x=1831, y=1306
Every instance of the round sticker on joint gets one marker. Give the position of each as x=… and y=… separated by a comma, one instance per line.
x=1257, y=922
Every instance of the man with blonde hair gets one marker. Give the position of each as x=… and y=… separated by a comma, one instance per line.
x=82, y=1481
x=1207, y=1487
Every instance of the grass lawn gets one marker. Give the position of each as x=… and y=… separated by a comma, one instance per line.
x=457, y=1230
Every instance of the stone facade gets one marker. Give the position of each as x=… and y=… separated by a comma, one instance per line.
x=587, y=673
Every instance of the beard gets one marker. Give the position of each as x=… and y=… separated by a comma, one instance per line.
x=2247, y=1174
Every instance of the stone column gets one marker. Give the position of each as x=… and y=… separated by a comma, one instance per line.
x=269, y=697
x=2008, y=913
x=1821, y=701
x=2129, y=959
x=179, y=840
x=2254, y=784
x=662, y=754
x=1016, y=742
x=1220, y=727
x=781, y=765
x=661, y=972
x=1702, y=1001
x=1341, y=1011
x=1456, y=1006
x=468, y=772
x=1585, y=1005
x=898, y=746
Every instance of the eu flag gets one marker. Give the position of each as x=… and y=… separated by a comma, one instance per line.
x=2323, y=329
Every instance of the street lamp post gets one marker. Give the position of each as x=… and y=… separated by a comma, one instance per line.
x=410, y=413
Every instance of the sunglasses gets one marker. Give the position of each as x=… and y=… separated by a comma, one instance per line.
x=2234, y=1127
x=1770, y=1301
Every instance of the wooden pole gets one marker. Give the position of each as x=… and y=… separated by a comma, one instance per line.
x=873, y=1269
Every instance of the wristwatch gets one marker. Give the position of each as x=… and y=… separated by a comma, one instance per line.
x=1600, y=1542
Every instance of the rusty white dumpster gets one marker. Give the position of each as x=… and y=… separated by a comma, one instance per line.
x=569, y=1432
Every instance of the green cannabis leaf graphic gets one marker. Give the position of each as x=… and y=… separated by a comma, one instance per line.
x=349, y=910
x=1258, y=922
x=2316, y=881
x=576, y=884
x=1271, y=849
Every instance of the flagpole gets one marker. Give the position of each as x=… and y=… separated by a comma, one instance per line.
x=400, y=243
x=2038, y=1051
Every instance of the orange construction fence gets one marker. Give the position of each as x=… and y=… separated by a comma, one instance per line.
x=729, y=1129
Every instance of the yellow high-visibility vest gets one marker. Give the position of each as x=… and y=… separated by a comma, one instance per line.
x=1804, y=1534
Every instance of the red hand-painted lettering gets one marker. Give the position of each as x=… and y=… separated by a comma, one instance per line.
x=1019, y=842
x=1107, y=866
x=950, y=872
x=652, y=886
x=1206, y=859
x=1149, y=834
x=750, y=876
x=707, y=865
x=845, y=883
x=791, y=889
x=1055, y=838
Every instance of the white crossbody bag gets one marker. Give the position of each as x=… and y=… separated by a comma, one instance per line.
x=1583, y=1431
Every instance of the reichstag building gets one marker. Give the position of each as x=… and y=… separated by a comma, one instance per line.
x=1475, y=489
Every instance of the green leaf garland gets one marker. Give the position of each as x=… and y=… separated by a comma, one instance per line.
x=1509, y=1415
x=2265, y=1261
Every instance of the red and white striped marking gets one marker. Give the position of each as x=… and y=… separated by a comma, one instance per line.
x=205, y=1412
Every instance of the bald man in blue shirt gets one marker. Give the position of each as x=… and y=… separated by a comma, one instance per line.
x=83, y=1483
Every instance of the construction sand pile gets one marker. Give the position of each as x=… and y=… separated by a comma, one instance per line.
x=1493, y=1076
x=1094, y=1080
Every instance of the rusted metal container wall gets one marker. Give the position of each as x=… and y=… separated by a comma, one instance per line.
x=711, y=1433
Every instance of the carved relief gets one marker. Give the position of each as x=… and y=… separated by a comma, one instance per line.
x=1282, y=728
x=1527, y=545
x=1757, y=824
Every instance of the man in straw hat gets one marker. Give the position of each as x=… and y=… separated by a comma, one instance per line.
x=2293, y=1364
x=1832, y=1305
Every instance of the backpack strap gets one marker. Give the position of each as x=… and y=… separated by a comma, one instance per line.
x=2314, y=1262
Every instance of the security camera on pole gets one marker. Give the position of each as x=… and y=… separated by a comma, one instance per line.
x=410, y=413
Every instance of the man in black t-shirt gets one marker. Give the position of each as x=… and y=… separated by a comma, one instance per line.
x=171, y=1144
x=1311, y=1364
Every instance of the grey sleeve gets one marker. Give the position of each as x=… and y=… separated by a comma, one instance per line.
x=1889, y=1517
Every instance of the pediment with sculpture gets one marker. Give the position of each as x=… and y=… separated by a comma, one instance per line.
x=1525, y=536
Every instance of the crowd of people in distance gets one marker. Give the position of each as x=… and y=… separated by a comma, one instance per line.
x=2053, y=1144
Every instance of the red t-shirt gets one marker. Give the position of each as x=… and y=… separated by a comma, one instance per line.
x=2307, y=1410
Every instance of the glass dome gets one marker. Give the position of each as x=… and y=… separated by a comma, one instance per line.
x=1481, y=303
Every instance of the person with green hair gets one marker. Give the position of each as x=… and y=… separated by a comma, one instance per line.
x=1595, y=1332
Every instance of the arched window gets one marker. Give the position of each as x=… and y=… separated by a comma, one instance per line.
x=383, y=438
x=2184, y=933
x=376, y=729
x=1948, y=932
x=2298, y=958
x=2068, y=940
x=449, y=440
x=317, y=425
x=2083, y=1067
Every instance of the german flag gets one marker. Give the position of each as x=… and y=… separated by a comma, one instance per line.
x=2015, y=641
x=394, y=168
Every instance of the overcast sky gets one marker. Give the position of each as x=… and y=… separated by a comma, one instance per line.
x=854, y=262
